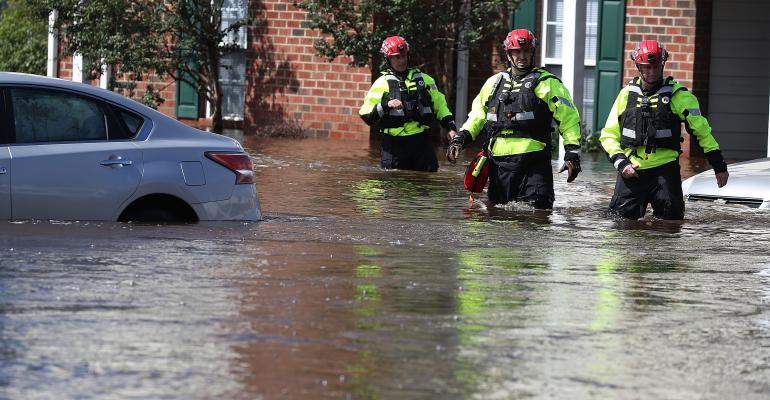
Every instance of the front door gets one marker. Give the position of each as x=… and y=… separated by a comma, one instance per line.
x=73, y=181
x=64, y=164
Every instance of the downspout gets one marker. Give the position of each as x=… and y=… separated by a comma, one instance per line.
x=104, y=79
x=573, y=55
x=77, y=61
x=461, y=82
x=53, y=45
x=77, y=67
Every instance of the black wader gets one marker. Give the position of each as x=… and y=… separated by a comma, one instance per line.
x=660, y=186
x=524, y=177
x=413, y=152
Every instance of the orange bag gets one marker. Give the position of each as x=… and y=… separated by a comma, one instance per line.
x=477, y=173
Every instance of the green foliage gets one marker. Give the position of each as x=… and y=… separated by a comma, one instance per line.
x=143, y=37
x=356, y=28
x=23, y=39
x=589, y=141
x=152, y=98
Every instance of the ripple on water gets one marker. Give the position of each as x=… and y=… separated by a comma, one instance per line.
x=363, y=283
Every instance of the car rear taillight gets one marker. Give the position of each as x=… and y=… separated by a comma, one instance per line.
x=240, y=163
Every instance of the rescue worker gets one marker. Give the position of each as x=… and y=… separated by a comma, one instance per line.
x=642, y=138
x=403, y=102
x=515, y=108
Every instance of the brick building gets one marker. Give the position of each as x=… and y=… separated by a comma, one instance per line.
x=718, y=50
x=287, y=84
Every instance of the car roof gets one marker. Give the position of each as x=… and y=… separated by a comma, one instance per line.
x=16, y=78
x=37, y=80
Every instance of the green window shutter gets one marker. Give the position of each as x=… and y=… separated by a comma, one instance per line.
x=524, y=17
x=187, y=98
x=609, y=58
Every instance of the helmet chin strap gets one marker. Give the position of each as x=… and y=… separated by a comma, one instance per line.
x=652, y=84
x=526, y=70
x=520, y=71
x=390, y=65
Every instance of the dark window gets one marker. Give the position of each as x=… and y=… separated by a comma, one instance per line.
x=49, y=116
x=129, y=124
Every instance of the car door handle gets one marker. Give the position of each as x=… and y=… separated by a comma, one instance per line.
x=3, y=171
x=116, y=163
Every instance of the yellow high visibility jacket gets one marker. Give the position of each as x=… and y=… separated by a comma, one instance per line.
x=401, y=122
x=683, y=105
x=547, y=88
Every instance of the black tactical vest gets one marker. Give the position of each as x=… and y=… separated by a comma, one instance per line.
x=514, y=106
x=417, y=103
x=648, y=120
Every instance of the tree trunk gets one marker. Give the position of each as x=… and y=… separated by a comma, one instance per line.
x=215, y=90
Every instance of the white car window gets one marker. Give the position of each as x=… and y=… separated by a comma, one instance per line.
x=48, y=116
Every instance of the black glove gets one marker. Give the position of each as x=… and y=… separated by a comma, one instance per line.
x=716, y=161
x=571, y=165
x=456, y=145
x=384, y=104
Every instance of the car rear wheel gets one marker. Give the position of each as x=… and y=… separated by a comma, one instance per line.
x=158, y=208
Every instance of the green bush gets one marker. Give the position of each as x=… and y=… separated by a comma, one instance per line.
x=589, y=141
x=23, y=39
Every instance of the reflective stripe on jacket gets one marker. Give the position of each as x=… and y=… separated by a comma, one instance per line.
x=514, y=107
x=684, y=106
x=420, y=103
x=547, y=89
x=648, y=120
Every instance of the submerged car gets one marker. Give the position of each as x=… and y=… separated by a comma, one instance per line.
x=748, y=185
x=71, y=151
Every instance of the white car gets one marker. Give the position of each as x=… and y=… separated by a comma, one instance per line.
x=748, y=185
x=70, y=151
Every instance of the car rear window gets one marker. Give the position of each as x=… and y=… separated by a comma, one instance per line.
x=49, y=116
x=129, y=124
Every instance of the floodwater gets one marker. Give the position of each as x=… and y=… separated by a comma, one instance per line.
x=370, y=284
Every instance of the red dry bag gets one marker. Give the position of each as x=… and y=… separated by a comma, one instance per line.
x=477, y=173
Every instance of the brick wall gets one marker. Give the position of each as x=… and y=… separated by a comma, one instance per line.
x=683, y=28
x=672, y=23
x=289, y=88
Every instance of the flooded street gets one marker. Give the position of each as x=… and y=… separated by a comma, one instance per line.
x=369, y=284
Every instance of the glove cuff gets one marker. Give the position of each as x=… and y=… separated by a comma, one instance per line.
x=384, y=103
x=463, y=138
x=621, y=165
x=572, y=155
x=619, y=161
x=575, y=148
x=449, y=123
x=716, y=161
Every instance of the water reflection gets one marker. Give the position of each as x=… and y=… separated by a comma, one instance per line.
x=400, y=193
x=371, y=284
x=291, y=319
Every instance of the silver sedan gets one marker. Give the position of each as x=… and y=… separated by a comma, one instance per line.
x=749, y=185
x=70, y=151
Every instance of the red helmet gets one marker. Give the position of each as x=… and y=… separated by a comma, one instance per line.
x=394, y=46
x=520, y=39
x=649, y=52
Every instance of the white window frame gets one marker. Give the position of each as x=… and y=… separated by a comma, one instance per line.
x=242, y=43
x=543, y=47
